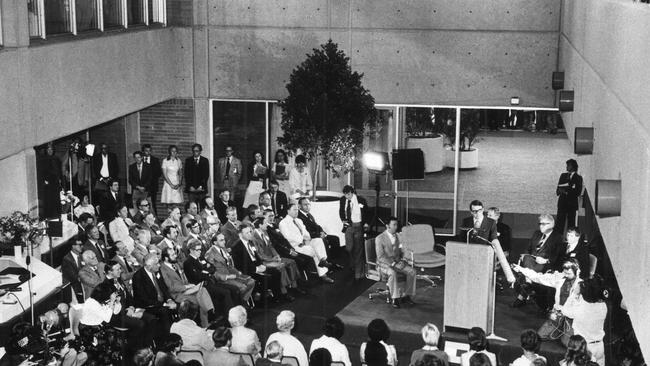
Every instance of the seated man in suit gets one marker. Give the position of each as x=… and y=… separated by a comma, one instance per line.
x=151, y=294
x=221, y=337
x=279, y=201
x=155, y=230
x=96, y=244
x=224, y=269
x=92, y=272
x=128, y=263
x=120, y=226
x=222, y=204
x=294, y=231
x=141, y=248
x=273, y=353
x=181, y=289
x=315, y=230
x=283, y=247
x=265, y=202
x=270, y=257
x=391, y=262
x=208, y=210
x=194, y=233
x=70, y=266
x=197, y=270
x=143, y=207
x=248, y=260
x=170, y=240
x=542, y=254
x=230, y=229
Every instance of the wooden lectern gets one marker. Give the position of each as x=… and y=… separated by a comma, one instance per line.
x=469, y=286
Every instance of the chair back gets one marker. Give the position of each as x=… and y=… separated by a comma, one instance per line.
x=190, y=354
x=74, y=315
x=290, y=360
x=418, y=238
x=248, y=359
x=372, y=270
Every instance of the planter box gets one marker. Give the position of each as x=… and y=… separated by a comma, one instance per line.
x=433, y=150
x=466, y=160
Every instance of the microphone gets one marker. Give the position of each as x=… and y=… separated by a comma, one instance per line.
x=28, y=260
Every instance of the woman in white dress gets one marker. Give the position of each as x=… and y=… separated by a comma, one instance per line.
x=171, y=172
x=300, y=179
x=280, y=171
x=257, y=173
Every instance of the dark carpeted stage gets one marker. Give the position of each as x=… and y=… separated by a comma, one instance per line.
x=405, y=323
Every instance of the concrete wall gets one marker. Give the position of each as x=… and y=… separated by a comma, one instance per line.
x=51, y=90
x=604, y=51
x=423, y=51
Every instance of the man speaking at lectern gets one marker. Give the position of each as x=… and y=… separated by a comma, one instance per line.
x=483, y=230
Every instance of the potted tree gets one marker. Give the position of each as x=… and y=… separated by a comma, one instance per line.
x=470, y=126
x=424, y=131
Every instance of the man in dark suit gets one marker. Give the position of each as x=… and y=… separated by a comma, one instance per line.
x=156, y=173
x=248, y=261
x=95, y=244
x=109, y=201
x=353, y=211
x=542, y=254
x=70, y=266
x=279, y=201
x=151, y=294
x=222, y=205
x=230, y=228
x=197, y=172
x=105, y=167
x=142, y=206
x=569, y=189
x=315, y=230
x=283, y=247
x=139, y=178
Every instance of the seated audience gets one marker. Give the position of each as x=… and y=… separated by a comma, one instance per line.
x=253, y=212
x=273, y=354
x=193, y=336
x=128, y=263
x=85, y=219
x=477, y=344
x=320, y=357
x=110, y=200
x=265, y=202
x=194, y=233
x=220, y=355
x=102, y=305
x=429, y=360
x=92, y=272
x=119, y=228
x=244, y=340
x=290, y=344
x=95, y=243
x=375, y=354
x=208, y=210
x=294, y=231
x=174, y=219
x=171, y=241
x=181, y=290
x=313, y=228
x=576, y=352
x=332, y=332
x=230, y=228
x=222, y=205
x=154, y=229
x=430, y=335
x=225, y=272
x=378, y=332
x=151, y=293
x=530, y=343
x=141, y=248
x=589, y=315
x=70, y=266
x=278, y=199
x=578, y=249
x=167, y=350
x=143, y=209
x=248, y=261
x=191, y=213
x=84, y=207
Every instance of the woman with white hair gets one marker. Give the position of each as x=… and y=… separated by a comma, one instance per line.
x=430, y=336
x=244, y=340
x=291, y=345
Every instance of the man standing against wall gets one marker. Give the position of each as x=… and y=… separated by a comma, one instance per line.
x=569, y=188
x=139, y=178
x=197, y=172
x=156, y=173
x=353, y=211
x=229, y=172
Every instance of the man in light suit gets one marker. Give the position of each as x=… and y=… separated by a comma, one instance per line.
x=197, y=172
x=92, y=272
x=141, y=249
x=230, y=170
x=180, y=289
x=295, y=232
x=140, y=176
x=224, y=268
x=390, y=259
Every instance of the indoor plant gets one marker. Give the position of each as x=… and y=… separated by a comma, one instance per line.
x=470, y=126
x=424, y=127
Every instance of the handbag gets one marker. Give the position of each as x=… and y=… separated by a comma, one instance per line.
x=557, y=327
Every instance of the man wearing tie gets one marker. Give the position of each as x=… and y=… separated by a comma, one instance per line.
x=230, y=169
x=279, y=202
x=315, y=230
x=225, y=272
x=70, y=266
x=353, y=211
x=151, y=294
x=139, y=179
x=109, y=202
x=95, y=244
x=294, y=231
x=197, y=172
x=542, y=254
x=390, y=259
x=156, y=173
x=92, y=272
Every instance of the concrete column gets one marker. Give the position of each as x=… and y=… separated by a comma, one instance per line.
x=15, y=27
x=203, y=125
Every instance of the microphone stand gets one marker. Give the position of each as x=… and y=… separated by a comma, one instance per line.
x=28, y=261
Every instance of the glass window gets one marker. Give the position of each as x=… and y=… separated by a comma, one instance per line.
x=57, y=17
x=157, y=11
x=135, y=11
x=86, y=15
x=35, y=18
x=113, y=11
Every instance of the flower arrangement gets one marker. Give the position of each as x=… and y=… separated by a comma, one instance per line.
x=19, y=228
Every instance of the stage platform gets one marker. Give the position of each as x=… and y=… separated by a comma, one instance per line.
x=406, y=323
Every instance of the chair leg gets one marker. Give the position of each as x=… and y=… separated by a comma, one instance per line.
x=429, y=278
